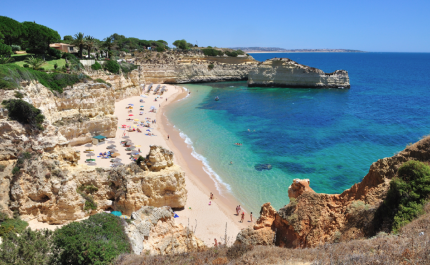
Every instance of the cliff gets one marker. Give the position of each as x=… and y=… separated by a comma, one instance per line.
x=176, y=67
x=283, y=72
x=51, y=187
x=311, y=219
x=153, y=231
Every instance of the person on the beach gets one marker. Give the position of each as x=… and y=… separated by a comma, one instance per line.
x=243, y=217
x=237, y=210
x=210, y=202
x=139, y=150
x=216, y=243
x=212, y=196
x=231, y=162
x=251, y=216
x=168, y=137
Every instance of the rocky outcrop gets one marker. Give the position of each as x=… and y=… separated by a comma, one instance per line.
x=283, y=72
x=51, y=187
x=153, y=231
x=298, y=187
x=313, y=218
x=84, y=110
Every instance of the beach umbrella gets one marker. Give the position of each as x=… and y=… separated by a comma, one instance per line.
x=89, y=145
x=130, y=115
x=152, y=107
x=141, y=106
x=131, y=104
x=136, y=119
x=91, y=154
x=111, y=141
x=115, y=154
x=138, y=145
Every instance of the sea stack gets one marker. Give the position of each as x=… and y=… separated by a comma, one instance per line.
x=283, y=72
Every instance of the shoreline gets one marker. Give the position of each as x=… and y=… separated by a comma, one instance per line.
x=199, y=184
x=300, y=52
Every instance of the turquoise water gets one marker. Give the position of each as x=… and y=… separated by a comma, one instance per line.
x=330, y=136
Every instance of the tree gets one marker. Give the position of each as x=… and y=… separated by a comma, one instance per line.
x=35, y=62
x=68, y=38
x=10, y=29
x=181, y=44
x=90, y=41
x=5, y=50
x=108, y=44
x=80, y=42
x=28, y=247
x=39, y=37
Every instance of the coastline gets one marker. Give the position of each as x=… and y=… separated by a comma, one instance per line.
x=199, y=185
x=300, y=52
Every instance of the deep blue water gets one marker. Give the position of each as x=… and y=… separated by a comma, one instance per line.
x=330, y=136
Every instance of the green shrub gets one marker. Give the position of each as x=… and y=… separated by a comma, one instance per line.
x=2, y=167
x=211, y=66
x=28, y=247
x=212, y=52
x=15, y=170
x=26, y=65
x=96, y=66
x=408, y=193
x=54, y=53
x=55, y=66
x=97, y=240
x=112, y=66
x=24, y=112
x=5, y=50
x=127, y=67
x=15, y=47
x=18, y=94
x=12, y=225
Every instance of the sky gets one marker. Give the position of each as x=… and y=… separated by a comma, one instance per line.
x=374, y=26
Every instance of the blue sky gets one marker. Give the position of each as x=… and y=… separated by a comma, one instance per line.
x=382, y=26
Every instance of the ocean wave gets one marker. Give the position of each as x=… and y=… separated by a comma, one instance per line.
x=219, y=184
x=188, y=94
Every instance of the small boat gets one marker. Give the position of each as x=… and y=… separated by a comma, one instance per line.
x=216, y=98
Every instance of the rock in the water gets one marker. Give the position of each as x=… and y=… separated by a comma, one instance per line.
x=261, y=167
x=283, y=72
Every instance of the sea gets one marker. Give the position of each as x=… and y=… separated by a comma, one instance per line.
x=329, y=136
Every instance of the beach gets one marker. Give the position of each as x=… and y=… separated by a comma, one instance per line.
x=208, y=221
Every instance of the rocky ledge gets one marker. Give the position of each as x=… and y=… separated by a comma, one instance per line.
x=283, y=72
x=314, y=218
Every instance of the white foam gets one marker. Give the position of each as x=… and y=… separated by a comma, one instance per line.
x=219, y=184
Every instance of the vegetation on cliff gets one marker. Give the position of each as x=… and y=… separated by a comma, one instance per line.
x=408, y=193
x=12, y=75
x=97, y=240
x=24, y=112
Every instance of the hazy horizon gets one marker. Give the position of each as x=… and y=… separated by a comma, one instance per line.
x=383, y=26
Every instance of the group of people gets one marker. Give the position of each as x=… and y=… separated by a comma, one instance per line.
x=242, y=218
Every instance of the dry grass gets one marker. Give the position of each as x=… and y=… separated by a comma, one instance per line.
x=411, y=246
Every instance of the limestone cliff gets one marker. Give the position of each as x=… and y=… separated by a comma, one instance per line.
x=175, y=68
x=312, y=218
x=50, y=186
x=283, y=72
x=153, y=231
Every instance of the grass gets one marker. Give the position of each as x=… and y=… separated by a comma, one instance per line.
x=48, y=65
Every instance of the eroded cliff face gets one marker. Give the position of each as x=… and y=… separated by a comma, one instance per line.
x=153, y=231
x=313, y=218
x=283, y=72
x=84, y=110
x=52, y=188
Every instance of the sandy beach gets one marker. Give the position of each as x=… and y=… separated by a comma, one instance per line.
x=208, y=221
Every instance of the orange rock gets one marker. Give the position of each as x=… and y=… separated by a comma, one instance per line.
x=298, y=187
